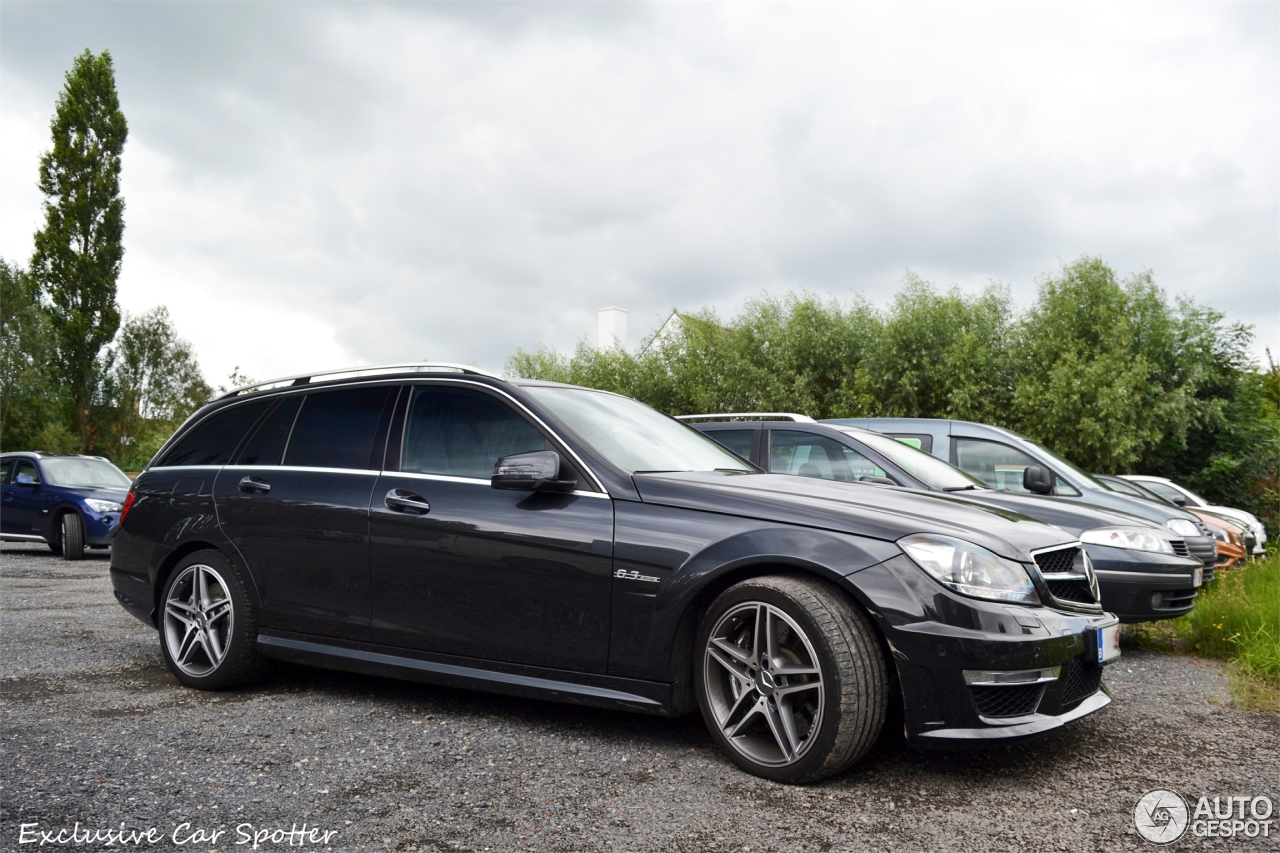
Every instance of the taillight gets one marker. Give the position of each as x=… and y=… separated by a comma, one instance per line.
x=128, y=502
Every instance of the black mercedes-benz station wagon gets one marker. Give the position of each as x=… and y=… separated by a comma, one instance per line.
x=438, y=523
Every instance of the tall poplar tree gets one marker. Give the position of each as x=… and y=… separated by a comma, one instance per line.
x=79, y=250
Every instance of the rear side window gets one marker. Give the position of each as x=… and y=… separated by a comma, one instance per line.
x=461, y=433
x=266, y=447
x=5, y=465
x=808, y=455
x=918, y=441
x=737, y=440
x=214, y=439
x=336, y=429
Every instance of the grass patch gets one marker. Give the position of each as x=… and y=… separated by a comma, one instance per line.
x=1237, y=620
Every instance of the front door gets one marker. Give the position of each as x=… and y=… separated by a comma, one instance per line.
x=23, y=498
x=295, y=503
x=521, y=577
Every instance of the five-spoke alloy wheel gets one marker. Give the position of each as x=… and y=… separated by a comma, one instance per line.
x=792, y=682
x=207, y=626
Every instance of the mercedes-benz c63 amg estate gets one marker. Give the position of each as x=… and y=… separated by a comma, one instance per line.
x=437, y=523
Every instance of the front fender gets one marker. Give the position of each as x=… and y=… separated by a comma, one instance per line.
x=668, y=560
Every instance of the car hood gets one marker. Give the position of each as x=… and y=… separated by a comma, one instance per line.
x=879, y=512
x=116, y=495
x=1232, y=513
x=1071, y=516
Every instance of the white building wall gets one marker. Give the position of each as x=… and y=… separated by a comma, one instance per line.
x=613, y=328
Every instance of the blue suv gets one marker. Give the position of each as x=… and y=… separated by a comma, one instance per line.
x=67, y=502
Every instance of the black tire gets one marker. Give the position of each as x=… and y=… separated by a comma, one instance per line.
x=193, y=630
x=71, y=536
x=834, y=723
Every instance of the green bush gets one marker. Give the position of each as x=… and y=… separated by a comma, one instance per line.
x=1110, y=373
x=1237, y=619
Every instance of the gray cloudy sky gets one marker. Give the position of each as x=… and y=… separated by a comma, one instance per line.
x=314, y=185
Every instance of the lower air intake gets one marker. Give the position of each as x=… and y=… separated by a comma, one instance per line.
x=1014, y=700
x=1083, y=681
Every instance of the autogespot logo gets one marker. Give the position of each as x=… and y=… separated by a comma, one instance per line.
x=1161, y=816
x=1164, y=816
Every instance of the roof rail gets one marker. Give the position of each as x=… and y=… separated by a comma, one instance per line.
x=781, y=416
x=371, y=370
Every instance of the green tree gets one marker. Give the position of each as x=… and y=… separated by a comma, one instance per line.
x=154, y=383
x=78, y=252
x=31, y=406
x=939, y=355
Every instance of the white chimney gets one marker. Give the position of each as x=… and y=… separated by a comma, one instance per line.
x=613, y=328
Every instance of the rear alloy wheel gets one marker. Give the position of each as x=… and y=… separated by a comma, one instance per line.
x=208, y=629
x=792, y=682
x=71, y=536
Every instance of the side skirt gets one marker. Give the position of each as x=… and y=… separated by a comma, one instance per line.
x=21, y=537
x=649, y=697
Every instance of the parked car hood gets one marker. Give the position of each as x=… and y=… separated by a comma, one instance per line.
x=109, y=494
x=880, y=512
x=1071, y=516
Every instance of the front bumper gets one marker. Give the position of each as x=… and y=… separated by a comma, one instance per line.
x=961, y=635
x=1138, y=586
x=100, y=530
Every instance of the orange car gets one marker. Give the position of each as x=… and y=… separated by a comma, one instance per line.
x=1227, y=535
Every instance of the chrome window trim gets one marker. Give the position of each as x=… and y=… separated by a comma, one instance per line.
x=311, y=469
x=476, y=481
x=402, y=381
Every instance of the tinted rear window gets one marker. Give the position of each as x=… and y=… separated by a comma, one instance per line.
x=214, y=439
x=336, y=429
x=737, y=440
x=267, y=444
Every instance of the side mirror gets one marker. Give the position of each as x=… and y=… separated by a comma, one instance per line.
x=1180, y=500
x=879, y=481
x=530, y=472
x=25, y=480
x=1037, y=480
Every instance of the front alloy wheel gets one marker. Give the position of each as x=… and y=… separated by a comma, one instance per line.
x=764, y=684
x=792, y=681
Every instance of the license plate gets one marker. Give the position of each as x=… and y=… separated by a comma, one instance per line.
x=1199, y=578
x=1108, y=643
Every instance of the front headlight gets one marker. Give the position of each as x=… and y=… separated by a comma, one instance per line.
x=102, y=506
x=969, y=569
x=1182, y=527
x=1131, y=538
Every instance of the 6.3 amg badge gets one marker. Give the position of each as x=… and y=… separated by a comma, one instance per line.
x=623, y=574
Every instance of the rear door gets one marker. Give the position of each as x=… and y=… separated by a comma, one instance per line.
x=521, y=577
x=295, y=503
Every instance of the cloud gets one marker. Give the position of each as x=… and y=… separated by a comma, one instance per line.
x=309, y=185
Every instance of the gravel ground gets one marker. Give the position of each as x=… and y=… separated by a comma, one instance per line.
x=96, y=731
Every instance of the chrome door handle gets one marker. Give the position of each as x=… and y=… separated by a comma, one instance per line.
x=402, y=500
x=253, y=484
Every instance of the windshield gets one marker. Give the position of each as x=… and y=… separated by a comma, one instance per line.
x=84, y=473
x=928, y=469
x=1063, y=465
x=633, y=436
